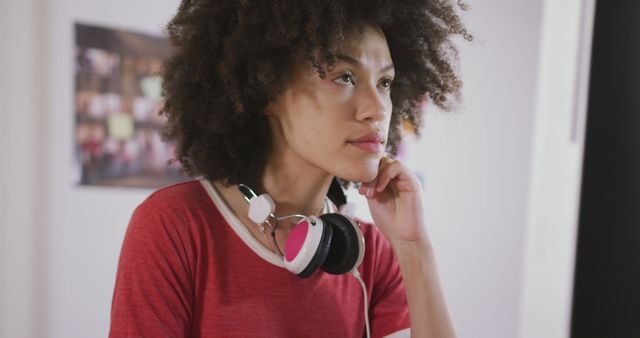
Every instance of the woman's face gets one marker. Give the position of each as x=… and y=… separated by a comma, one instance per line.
x=338, y=124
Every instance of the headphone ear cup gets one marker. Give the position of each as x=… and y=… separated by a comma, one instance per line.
x=345, y=251
x=321, y=252
x=307, y=247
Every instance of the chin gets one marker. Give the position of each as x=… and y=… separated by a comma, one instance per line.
x=360, y=172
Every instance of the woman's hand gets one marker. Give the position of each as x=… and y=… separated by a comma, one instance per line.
x=395, y=202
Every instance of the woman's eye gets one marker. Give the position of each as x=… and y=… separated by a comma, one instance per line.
x=345, y=79
x=386, y=83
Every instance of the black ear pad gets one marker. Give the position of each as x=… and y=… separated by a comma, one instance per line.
x=321, y=253
x=343, y=254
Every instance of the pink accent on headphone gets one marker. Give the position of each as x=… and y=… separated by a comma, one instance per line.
x=295, y=240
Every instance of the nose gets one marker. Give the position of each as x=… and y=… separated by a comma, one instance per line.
x=371, y=104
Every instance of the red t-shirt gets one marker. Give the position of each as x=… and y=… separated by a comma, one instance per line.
x=187, y=269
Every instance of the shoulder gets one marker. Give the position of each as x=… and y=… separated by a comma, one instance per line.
x=179, y=194
x=175, y=199
x=173, y=221
x=174, y=208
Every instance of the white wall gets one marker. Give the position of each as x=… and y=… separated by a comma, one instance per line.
x=555, y=181
x=476, y=162
x=20, y=173
x=86, y=225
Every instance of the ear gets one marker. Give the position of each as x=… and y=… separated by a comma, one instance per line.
x=269, y=110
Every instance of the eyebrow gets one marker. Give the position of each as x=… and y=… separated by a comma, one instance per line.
x=355, y=62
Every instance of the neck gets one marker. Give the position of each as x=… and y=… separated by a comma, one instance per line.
x=292, y=192
x=295, y=191
x=296, y=186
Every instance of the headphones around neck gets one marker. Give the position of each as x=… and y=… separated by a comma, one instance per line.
x=332, y=241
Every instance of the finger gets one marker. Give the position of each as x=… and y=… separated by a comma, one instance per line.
x=399, y=178
x=388, y=173
x=407, y=185
x=382, y=169
x=363, y=189
x=368, y=188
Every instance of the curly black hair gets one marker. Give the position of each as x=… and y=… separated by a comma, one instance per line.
x=232, y=57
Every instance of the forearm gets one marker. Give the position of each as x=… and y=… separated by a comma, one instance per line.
x=427, y=308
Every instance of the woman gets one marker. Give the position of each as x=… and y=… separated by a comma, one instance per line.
x=283, y=98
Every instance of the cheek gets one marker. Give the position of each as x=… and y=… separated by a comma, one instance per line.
x=313, y=137
x=389, y=110
x=327, y=137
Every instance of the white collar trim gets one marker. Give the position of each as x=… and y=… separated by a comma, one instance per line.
x=238, y=227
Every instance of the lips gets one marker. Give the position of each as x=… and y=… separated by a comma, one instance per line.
x=371, y=142
x=370, y=137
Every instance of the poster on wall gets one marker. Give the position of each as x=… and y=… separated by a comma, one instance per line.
x=117, y=101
